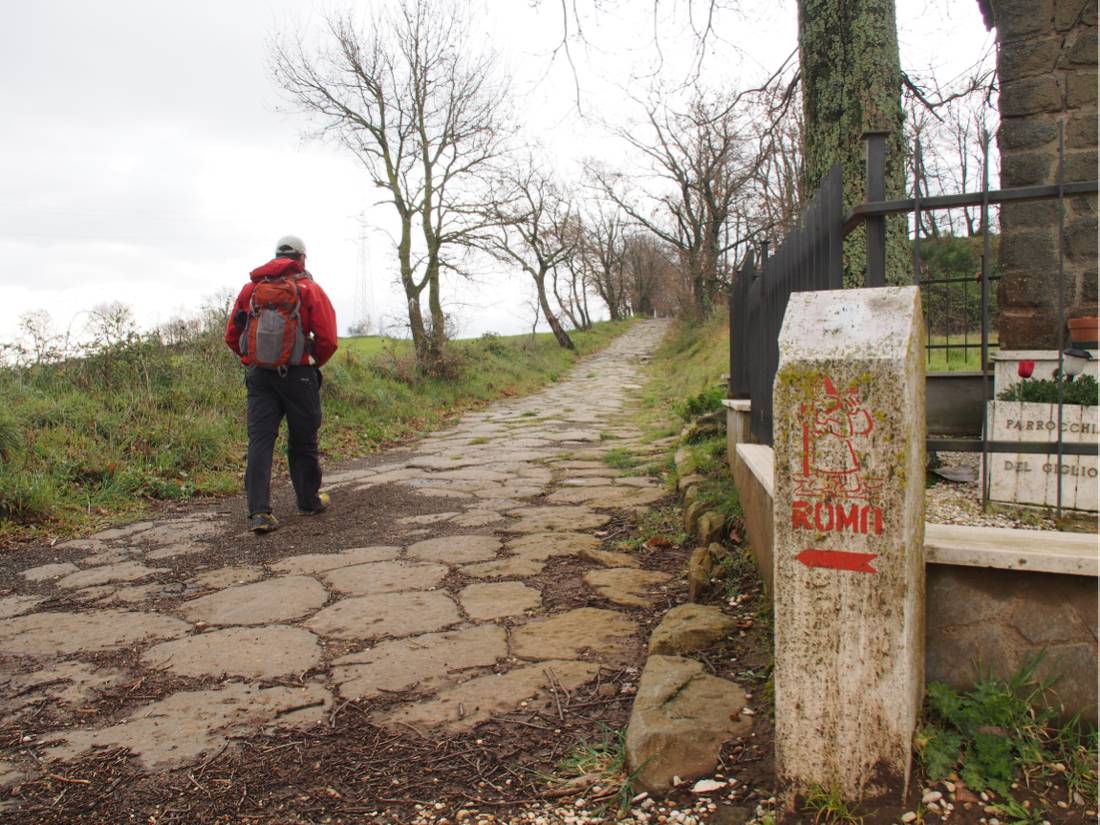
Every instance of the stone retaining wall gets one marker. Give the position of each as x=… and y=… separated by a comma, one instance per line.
x=978, y=619
x=981, y=619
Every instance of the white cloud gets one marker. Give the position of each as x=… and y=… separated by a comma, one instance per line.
x=145, y=157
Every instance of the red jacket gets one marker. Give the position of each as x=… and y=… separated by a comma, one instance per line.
x=318, y=316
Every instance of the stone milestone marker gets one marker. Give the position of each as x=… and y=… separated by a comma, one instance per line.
x=849, y=541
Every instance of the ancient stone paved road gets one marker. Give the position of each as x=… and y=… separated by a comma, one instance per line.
x=361, y=620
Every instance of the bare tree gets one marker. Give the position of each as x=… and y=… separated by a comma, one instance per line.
x=777, y=172
x=603, y=252
x=697, y=166
x=532, y=219
x=425, y=115
x=945, y=130
x=575, y=304
x=652, y=274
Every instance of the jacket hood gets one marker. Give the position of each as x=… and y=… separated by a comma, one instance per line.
x=277, y=268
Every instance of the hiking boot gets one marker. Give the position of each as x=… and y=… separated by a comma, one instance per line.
x=262, y=523
x=319, y=506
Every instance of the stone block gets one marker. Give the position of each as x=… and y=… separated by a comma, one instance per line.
x=1037, y=56
x=1043, y=214
x=1023, y=478
x=1083, y=207
x=1071, y=13
x=691, y=516
x=1088, y=291
x=689, y=480
x=1027, y=327
x=1081, y=48
x=1026, y=133
x=1017, y=19
x=680, y=719
x=710, y=527
x=1080, y=240
x=1081, y=132
x=1034, y=289
x=1035, y=250
x=982, y=620
x=848, y=516
x=1080, y=165
x=1030, y=96
x=690, y=627
x=1027, y=168
x=698, y=574
x=1080, y=91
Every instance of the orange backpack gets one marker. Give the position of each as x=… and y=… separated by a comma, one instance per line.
x=273, y=336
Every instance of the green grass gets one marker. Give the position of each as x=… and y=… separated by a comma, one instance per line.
x=368, y=346
x=88, y=441
x=686, y=378
x=1001, y=732
x=618, y=458
x=599, y=764
x=957, y=359
x=827, y=806
x=689, y=364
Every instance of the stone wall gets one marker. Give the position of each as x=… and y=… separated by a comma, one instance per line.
x=981, y=620
x=978, y=619
x=1047, y=65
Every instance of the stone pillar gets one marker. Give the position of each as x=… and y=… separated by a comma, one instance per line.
x=849, y=542
x=1046, y=60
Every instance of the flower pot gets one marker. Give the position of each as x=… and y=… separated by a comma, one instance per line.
x=1083, y=330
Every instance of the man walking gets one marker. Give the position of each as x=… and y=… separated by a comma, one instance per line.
x=283, y=328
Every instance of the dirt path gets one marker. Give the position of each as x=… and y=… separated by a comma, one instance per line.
x=456, y=617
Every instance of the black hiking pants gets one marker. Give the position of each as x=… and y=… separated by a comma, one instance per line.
x=296, y=395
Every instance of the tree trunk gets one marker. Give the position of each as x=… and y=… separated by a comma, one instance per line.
x=699, y=292
x=851, y=84
x=566, y=306
x=412, y=296
x=438, y=339
x=555, y=326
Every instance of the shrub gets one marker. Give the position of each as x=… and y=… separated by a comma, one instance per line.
x=707, y=402
x=1082, y=390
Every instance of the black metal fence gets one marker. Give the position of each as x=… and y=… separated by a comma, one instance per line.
x=810, y=258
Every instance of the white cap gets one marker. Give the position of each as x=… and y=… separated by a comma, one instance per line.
x=289, y=244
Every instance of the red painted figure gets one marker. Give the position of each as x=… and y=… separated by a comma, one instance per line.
x=831, y=428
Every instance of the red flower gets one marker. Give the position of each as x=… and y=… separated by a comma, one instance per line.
x=1025, y=368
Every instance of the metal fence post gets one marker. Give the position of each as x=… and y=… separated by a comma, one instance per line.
x=875, y=168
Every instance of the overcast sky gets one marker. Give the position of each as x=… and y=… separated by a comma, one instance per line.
x=148, y=158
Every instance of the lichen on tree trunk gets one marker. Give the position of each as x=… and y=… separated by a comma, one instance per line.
x=851, y=84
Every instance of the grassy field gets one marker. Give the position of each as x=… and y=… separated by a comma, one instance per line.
x=958, y=360
x=90, y=440
x=687, y=378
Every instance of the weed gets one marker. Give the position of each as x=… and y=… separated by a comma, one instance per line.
x=999, y=730
x=478, y=440
x=618, y=458
x=704, y=403
x=1011, y=812
x=828, y=807
x=598, y=764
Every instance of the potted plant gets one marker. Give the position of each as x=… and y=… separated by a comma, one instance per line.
x=1028, y=412
x=1083, y=330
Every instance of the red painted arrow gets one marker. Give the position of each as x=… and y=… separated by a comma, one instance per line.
x=838, y=560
